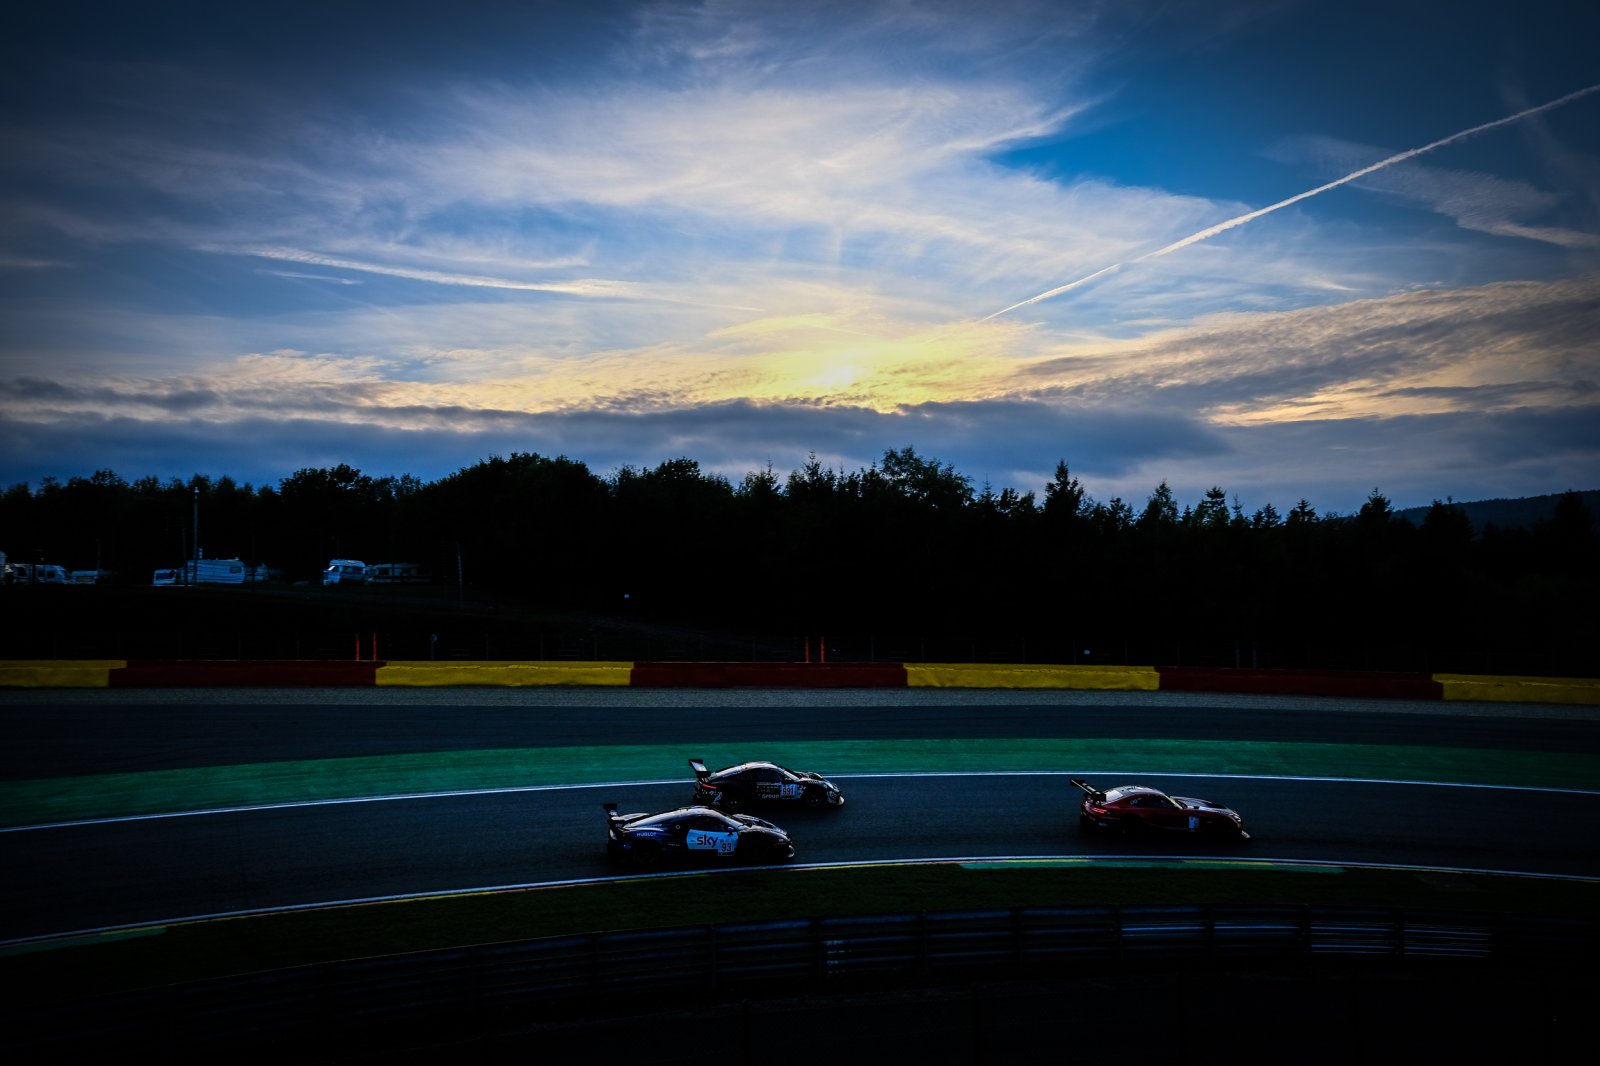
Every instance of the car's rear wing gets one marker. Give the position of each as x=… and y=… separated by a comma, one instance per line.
x=1089, y=790
x=612, y=817
x=699, y=768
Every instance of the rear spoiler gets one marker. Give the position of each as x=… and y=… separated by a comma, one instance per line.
x=1089, y=790
x=611, y=813
x=699, y=768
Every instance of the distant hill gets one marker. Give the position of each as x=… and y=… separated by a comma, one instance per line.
x=1507, y=514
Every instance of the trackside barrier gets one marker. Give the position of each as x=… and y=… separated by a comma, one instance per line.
x=1300, y=683
x=58, y=673
x=513, y=674
x=1520, y=689
x=422, y=999
x=118, y=673
x=979, y=675
x=266, y=673
x=768, y=675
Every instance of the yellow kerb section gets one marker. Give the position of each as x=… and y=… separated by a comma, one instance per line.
x=979, y=675
x=507, y=674
x=58, y=673
x=1520, y=689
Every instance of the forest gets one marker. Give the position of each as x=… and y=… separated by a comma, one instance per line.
x=530, y=556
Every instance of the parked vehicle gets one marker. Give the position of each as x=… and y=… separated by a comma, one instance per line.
x=345, y=572
x=203, y=572
x=389, y=573
x=35, y=574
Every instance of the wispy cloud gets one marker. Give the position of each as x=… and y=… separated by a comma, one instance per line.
x=1355, y=175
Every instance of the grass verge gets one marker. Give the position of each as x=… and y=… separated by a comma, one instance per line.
x=204, y=949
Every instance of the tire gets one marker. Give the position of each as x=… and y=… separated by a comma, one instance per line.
x=1085, y=824
x=814, y=799
x=645, y=854
x=731, y=803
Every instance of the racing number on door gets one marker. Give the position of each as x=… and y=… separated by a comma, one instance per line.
x=721, y=843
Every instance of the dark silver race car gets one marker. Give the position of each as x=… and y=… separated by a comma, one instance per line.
x=693, y=834
x=1139, y=808
x=734, y=787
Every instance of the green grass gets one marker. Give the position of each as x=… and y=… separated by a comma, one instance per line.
x=220, y=947
x=52, y=800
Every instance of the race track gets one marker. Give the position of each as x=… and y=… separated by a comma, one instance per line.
x=149, y=870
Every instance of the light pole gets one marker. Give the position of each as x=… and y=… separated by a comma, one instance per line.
x=194, y=564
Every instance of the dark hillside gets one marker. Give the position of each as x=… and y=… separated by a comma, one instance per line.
x=1522, y=513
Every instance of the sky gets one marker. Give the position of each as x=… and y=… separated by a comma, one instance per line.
x=1293, y=250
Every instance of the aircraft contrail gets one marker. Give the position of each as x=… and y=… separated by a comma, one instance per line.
x=1212, y=231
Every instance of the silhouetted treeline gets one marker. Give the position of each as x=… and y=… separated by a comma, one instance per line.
x=906, y=559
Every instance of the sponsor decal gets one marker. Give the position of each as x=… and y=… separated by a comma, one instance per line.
x=721, y=843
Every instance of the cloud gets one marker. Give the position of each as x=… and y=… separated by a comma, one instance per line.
x=746, y=233
x=1474, y=200
x=1355, y=175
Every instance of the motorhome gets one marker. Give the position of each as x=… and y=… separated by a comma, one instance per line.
x=345, y=572
x=36, y=574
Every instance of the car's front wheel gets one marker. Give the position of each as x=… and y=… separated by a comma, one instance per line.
x=814, y=798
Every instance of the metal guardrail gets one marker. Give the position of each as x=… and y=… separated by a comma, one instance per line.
x=385, y=1000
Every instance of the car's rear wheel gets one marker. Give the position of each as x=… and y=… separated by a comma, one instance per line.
x=645, y=854
x=1085, y=824
x=730, y=802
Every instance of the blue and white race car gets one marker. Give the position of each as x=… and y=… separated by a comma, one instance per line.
x=693, y=834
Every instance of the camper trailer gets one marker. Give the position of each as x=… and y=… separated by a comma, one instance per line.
x=389, y=573
x=345, y=572
x=203, y=572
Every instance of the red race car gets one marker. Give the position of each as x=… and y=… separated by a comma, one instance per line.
x=1139, y=809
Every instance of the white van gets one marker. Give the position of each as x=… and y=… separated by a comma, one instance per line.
x=345, y=572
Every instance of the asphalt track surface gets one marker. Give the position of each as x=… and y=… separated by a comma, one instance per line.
x=108, y=874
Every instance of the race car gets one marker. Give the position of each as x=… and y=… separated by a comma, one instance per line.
x=693, y=834
x=1139, y=808
x=739, y=786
